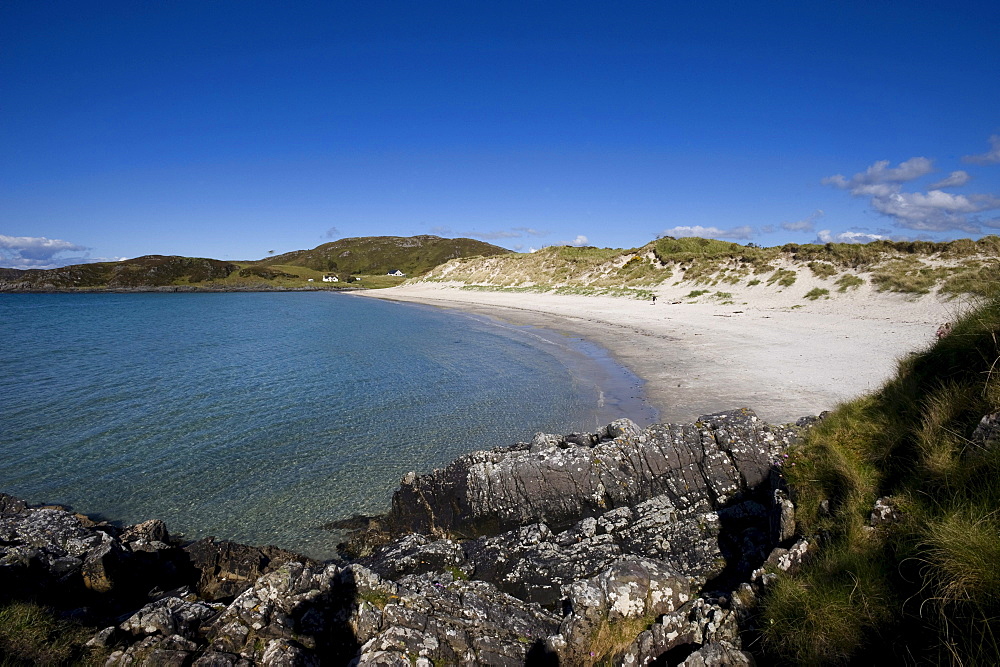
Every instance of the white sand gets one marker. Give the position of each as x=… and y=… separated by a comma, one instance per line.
x=760, y=352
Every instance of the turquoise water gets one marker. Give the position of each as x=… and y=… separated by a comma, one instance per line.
x=261, y=417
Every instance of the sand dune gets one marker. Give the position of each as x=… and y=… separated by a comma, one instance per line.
x=776, y=352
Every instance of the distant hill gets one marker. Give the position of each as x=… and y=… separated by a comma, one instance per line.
x=375, y=255
x=146, y=271
x=368, y=256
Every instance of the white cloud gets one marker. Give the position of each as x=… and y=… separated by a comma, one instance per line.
x=54, y=263
x=954, y=180
x=38, y=252
x=744, y=233
x=933, y=210
x=36, y=247
x=807, y=224
x=992, y=156
x=580, y=240
x=826, y=236
x=879, y=180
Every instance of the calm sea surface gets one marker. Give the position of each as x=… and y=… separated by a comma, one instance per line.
x=261, y=417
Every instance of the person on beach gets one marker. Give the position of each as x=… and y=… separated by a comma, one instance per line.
x=654, y=299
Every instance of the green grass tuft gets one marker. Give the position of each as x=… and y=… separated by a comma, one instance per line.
x=31, y=634
x=816, y=293
x=784, y=277
x=849, y=281
x=822, y=269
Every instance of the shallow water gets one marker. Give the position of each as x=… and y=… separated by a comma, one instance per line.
x=261, y=417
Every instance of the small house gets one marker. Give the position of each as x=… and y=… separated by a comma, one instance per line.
x=330, y=278
x=397, y=273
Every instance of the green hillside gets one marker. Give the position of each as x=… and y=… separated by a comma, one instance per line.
x=365, y=261
x=146, y=271
x=375, y=255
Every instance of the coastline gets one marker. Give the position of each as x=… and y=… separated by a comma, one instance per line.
x=780, y=358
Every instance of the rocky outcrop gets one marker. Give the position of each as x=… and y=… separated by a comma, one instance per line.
x=625, y=546
x=559, y=480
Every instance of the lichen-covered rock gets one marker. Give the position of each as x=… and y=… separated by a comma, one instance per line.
x=170, y=616
x=452, y=621
x=631, y=588
x=558, y=483
x=534, y=564
x=699, y=624
x=304, y=603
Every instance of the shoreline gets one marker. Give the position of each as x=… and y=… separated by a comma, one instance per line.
x=783, y=360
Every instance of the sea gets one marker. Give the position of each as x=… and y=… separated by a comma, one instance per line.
x=264, y=417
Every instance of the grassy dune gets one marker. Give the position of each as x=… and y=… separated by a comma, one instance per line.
x=916, y=268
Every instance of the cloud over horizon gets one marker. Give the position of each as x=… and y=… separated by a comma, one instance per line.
x=742, y=233
x=827, y=236
x=933, y=210
x=39, y=252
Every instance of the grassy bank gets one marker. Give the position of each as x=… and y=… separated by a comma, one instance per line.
x=923, y=588
x=913, y=268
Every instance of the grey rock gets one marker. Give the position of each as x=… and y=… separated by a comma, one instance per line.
x=631, y=588
x=790, y=560
x=986, y=435
x=719, y=654
x=883, y=511
x=533, y=564
x=697, y=623
x=715, y=459
x=170, y=616
x=784, y=524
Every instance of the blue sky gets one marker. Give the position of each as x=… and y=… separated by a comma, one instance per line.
x=230, y=129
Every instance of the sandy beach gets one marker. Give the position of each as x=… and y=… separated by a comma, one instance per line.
x=774, y=352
